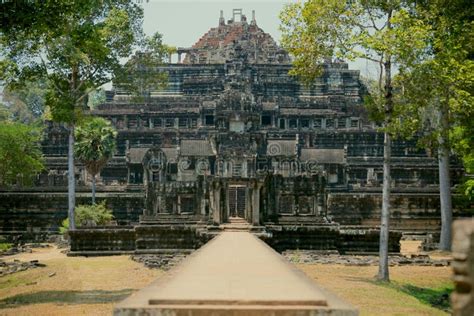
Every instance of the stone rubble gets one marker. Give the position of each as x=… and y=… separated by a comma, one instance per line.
x=159, y=261
x=316, y=257
x=14, y=266
x=28, y=248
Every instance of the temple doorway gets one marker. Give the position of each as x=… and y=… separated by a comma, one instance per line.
x=237, y=200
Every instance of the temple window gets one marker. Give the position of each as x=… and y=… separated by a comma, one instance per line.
x=317, y=123
x=169, y=122
x=266, y=120
x=293, y=123
x=209, y=119
x=132, y=122
x=282, y=124
x=329, y=123
x=157, y=122
x=186, y=204
x=286, y=204
x=237, y=170
x=304, y=123
x=183, y=123
x=136, y=175
x=341, y=123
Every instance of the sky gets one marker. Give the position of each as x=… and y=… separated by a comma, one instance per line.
x=183, y=22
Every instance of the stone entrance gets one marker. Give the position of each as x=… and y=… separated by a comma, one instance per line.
x=237, y=201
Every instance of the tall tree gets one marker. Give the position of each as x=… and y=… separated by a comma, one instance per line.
x=95, y=145
x=438, y=91
x=75, y=46
x=373, y=30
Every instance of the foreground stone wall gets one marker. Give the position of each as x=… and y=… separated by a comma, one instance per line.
x=353, y=239
x=35, y=215
x=462, y=298
x=97, y=241
x=410, y=211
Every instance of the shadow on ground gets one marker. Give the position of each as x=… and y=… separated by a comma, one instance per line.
x=437, y=298
x=434, y=297
x=66, y=297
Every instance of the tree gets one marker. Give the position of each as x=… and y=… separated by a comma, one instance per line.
x=140, y=76
x=377, y=31
x=75, y=46
x=95, y=145
x=438, y=92
x=25, y=105
x=20, y=153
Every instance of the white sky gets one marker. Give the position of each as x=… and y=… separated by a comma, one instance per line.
x=183, y=22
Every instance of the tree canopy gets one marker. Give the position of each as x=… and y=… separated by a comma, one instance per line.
x=95, y=143
x=20, y=153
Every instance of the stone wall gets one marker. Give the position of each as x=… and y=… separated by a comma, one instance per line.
x=34, y=215
x=152, y=237
x=102, y=240
x=140, y=239
x=410, y=211
x=358, y=240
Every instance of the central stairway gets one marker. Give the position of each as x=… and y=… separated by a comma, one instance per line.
x=234, y=274
x=236, y=224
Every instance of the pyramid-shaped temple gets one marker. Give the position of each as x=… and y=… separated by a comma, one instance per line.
x=235, y=142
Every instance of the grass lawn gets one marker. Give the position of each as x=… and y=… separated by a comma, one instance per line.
x=414, y=290
x=91, y=286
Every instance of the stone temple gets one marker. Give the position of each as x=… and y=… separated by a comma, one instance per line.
x=234, y=142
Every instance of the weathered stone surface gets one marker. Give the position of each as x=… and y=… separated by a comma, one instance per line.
x=462, y=298
x=9, y=267
x=316, y=257
x=160, y=261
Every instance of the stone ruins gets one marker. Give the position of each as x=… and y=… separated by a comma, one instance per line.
x=234, y=142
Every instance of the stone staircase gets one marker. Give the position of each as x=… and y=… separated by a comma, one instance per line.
x=236, y=224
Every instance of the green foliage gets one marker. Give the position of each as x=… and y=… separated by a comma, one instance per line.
x=437, y=100
x=74, y=46
x=96, y=214
x=20, y=153
x=95, y=143
x=64, y=226
x=24, y=105
x=140, y=76
x=315, y=30
x=5, y=246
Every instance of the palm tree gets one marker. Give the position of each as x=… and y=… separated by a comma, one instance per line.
x=95, y=145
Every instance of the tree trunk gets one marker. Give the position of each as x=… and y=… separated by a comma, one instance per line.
x=383, y=274
x=385, y=216
x=71, y=179
x=444, y=181
x=93, y=189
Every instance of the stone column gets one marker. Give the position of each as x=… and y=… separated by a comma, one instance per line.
x=462, y=299
x=248, y=203
x=217, y=205
x=256, y=205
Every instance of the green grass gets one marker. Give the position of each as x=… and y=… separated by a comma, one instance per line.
x=437, y=297
x=5, y=246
